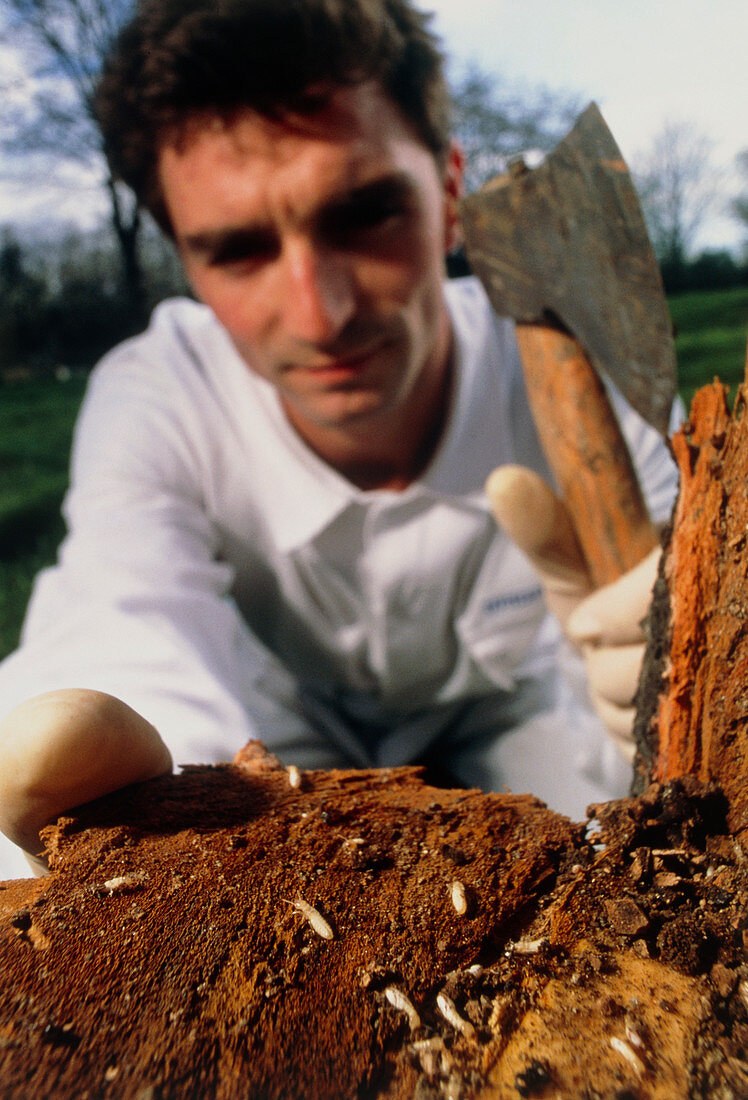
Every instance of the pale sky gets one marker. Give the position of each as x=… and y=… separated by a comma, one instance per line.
x=645, y=62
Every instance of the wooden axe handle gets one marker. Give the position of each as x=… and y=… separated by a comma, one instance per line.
x=586, y=452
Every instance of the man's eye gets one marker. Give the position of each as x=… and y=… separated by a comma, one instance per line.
x=365, y=214
x=375, y=213
x=244, y=249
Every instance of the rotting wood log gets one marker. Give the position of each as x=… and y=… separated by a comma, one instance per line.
x=692, y=717
x=228, y=933
x=175, y=951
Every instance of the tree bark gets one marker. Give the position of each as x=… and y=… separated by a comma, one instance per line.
x=126, y=227
x=694, y=693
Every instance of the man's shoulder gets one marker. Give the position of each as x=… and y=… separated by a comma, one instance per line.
x=183, y=346
x=471, y=311
x=466, y=292
x=485, y=342
x=182, y=311
x=175, y=324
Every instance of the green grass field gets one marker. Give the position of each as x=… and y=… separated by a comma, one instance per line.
x=710, y=338
x=36, y=424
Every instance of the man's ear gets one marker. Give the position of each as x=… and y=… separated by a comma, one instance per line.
x=454, y=171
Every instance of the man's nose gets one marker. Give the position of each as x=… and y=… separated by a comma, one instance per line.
x=319, y=292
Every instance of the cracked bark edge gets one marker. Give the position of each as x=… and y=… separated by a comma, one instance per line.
x=652, y=680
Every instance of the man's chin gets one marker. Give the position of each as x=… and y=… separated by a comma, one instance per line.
x=334, y=410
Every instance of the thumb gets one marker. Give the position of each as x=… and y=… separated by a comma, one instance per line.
x=538, y=522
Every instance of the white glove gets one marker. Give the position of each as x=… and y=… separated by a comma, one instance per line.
x=64, y=748
x=605, y=625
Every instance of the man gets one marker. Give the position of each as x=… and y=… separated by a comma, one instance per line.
x=278, y=522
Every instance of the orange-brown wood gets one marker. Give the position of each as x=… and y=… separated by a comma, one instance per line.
x=700, y=717
x=586, y=452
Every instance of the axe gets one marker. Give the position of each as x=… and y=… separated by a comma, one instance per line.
x=564, y=250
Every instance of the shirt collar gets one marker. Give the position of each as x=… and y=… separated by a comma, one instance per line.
x=472, y=443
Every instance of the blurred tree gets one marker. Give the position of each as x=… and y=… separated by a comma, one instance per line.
x=62, y=43
x=740, y=204
x=22, y=308
x=495, y=123
x=713, y=269
x=678, y=187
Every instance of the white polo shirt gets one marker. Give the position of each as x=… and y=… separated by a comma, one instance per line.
x=223, y=580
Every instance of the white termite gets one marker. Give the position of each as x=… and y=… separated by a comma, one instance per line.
x=623, y=1048
x=430, y=1053
x=447, y=1008
x=453, y=1090
x=294, y=775
x=315, y=918
x=525, y=947
x=122, y=883
x=633, y=1036
x=459, y=898
x=118, y=883
x=399, y=1001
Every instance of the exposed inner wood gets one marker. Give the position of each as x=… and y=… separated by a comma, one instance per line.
x=693, y=721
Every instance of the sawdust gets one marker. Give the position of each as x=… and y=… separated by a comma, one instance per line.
x=170, y=954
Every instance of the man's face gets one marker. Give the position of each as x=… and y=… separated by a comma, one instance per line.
x=319, y=245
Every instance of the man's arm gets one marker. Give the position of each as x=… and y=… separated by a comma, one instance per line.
x=138, y=607
x=139, y=604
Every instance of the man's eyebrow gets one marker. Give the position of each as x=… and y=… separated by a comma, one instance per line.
x=396, y=187
x=216, y=242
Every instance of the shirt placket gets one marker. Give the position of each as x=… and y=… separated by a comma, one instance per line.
x=410, y=562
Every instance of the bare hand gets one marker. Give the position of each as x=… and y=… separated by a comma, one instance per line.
x=64, y=748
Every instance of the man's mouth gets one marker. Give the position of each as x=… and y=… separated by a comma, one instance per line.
x=348, y=365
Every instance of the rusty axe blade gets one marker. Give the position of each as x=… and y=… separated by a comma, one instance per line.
x=567, y=242
x=563, y=249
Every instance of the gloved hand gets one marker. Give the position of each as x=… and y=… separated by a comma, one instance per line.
x=64, y=748
x=604, y=625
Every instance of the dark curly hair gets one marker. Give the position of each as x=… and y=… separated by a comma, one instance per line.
x=178, y=58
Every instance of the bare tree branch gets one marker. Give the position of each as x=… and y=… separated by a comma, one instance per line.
x=63, y=43
x=495, y=123
x=678, y=187
x=739, y=205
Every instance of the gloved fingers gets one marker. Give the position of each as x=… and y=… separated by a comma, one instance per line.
x=619, y=723
x=612, y=678
x=613, y=671
x=613, y=615
x=534, y=518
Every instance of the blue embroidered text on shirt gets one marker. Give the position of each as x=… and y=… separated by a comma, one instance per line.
x=514, y=599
